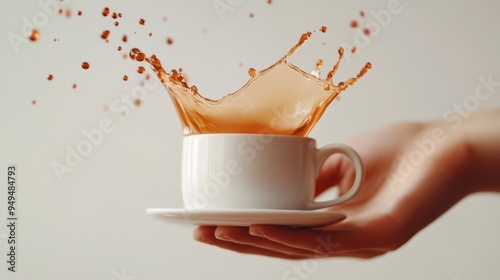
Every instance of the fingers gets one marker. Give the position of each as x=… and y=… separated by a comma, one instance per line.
x=206, y=234
x=253, y=241
x=241, y=235
x=332, y=243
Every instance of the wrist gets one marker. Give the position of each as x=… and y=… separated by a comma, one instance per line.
x=454, y=158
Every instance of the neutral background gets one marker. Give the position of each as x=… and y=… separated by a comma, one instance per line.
x=91, y=224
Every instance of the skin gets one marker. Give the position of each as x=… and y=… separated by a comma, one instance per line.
x=414, y=172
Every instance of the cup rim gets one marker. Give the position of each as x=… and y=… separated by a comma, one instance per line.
x=247, y=135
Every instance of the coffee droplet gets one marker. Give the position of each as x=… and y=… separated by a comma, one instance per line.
x=105, y=11
x=105, y=34
x=124, y=38
x=140, y=57
x=170, y=41
x=142, y=21
x=80, y=13
x=117, y=23
x=366, y=31
x=33, y=102
x=119, y=48
x=316, y=71
x=85, y=65
x=362, y=14
x=141, y=69
x=114, y=15
x=354, y=24
x=50, y=77
x=137, y=102
x=125, y=77
x=34, y=35
x=354, y=49
x=323, y=29
x=252, y=72
x=74, y=86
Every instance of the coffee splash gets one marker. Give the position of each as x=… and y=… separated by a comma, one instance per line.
x=281, y=99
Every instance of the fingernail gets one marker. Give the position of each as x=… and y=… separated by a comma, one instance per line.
x=198, y=236
x=256, y=232
x=223, y=237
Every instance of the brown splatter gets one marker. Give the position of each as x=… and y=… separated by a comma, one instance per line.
x=68, y=13
x=323, y=29
x=142, y=21
x=125, y=77
x=141, y=69
x=354, y=24
x=170, y=41
x=137, y=102
x=74, y=86
x=85, y=65
x=34, y=35
x=33, y=102
x=362, y=14
x=50, y=77
x=105, y=11
x=119, y=48
x=105, y=34
x=366, y=31
x=251, y=15
x=80, y=13
x=252, y=72
x=124, y=38
x=117, y=23
x=354, y=49
x=114, y=15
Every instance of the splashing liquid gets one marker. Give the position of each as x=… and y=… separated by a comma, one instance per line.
x=281, y=99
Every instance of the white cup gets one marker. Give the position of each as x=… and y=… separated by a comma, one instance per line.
x=257, y=171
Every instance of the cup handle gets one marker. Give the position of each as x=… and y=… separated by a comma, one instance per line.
x=321, y=156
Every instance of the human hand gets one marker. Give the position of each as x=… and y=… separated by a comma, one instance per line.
x=413, y=174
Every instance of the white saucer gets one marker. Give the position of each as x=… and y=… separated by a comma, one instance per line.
x=247, y=217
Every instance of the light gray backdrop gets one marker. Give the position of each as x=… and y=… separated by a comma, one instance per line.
x=90, y=222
